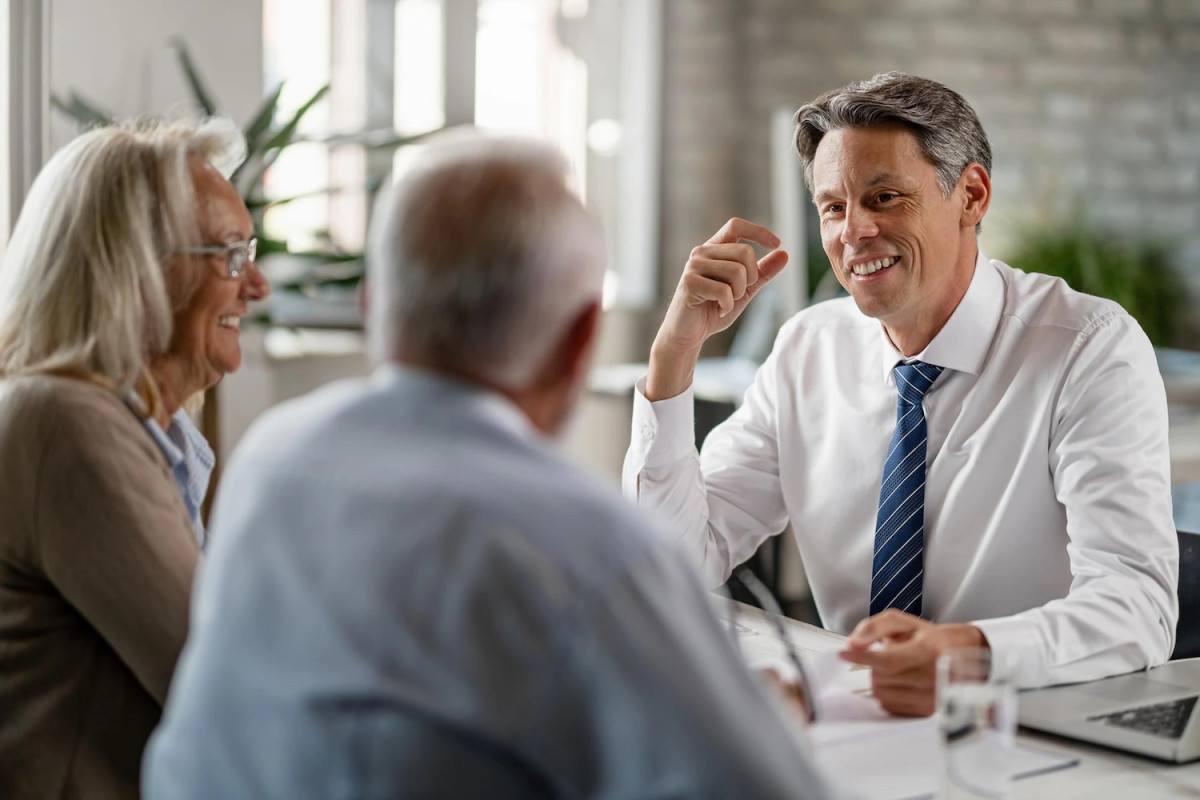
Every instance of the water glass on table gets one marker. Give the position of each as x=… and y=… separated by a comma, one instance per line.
x=977, y=714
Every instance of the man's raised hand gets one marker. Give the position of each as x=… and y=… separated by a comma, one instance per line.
x=720, y=278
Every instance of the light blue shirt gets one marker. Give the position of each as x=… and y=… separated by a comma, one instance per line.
x=189, y=457
x=411, y=594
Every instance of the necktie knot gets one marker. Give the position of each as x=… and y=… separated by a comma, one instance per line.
x=913, y=380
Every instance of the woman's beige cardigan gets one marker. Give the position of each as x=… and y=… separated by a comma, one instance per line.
x=96, y=563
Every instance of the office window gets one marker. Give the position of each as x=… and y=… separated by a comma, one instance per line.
x=296, y=50
x=579, y=74
x=24, y=111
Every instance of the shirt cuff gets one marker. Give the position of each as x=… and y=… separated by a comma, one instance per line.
x=663, y=431
x=1016, y=649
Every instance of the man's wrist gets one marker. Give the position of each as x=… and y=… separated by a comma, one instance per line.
x=965, y=635
x=670, y=373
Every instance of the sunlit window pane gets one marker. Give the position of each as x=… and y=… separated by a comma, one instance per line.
x=296, y=44
x=508, y=82
x=420, y=79
x=348, y=112
x=526, y=82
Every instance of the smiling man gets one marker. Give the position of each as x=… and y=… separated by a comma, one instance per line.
x=968, y=455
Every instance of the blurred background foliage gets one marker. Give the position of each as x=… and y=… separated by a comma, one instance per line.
x=1136, y=272
x=268, y=133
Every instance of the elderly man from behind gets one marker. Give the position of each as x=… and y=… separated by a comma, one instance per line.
x=412, y=595
x=969, y=455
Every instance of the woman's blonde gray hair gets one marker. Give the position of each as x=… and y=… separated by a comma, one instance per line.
x=90, y=279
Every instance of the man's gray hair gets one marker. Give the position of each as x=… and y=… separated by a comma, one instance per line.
x=479, y=258
x=944, y=124
x=90, y=280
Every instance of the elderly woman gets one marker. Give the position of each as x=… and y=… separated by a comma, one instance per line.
x=120, y=296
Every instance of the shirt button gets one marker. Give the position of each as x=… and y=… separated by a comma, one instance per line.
x=647, y=433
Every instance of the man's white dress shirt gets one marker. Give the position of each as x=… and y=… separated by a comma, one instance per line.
x=1047, y=503
x=409, y=593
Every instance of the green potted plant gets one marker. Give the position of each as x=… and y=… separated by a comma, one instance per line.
x=1135, y=272
x=318, y=284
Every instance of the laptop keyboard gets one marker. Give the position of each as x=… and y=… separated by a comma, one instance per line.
x=1161, y=719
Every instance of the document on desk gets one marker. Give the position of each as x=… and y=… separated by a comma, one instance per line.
x=901, y=759
x=852, y=731
x=830, y=676
x=904, y=755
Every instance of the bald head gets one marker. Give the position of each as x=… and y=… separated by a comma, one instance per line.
x=480, y=258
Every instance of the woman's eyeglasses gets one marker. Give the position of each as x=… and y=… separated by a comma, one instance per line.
x=237, y=254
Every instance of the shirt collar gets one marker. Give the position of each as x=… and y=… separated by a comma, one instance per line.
x=170, y=449
x=189, y=457
x=963, y=342
x=182, y=429
x=439, y=386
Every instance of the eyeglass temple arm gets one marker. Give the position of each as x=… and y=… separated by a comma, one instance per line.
x=767, y=601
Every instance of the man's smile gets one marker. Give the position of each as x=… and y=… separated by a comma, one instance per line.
x=873, y=265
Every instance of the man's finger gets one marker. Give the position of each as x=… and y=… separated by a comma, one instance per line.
x=738, y=228
x=893, y=659
x=769, y=266
x=730, y=272
x=867, y=658
x=906, y=702
x=890, y=624
x=702, y=289
x=907, y=691
x=789, y=691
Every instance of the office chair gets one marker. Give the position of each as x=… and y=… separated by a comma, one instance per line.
x=1187, y=630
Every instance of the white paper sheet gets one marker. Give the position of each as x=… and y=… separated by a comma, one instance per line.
x=898, y=759
x=866, y=750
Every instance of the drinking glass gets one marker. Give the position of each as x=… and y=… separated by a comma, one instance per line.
x=977, y=714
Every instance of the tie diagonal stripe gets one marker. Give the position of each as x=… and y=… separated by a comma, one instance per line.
x=898, y=559
x=885, y=575
x=912, y=467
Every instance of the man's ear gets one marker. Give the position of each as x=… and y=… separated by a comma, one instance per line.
x=567, y=362
x=977, y=188
x=549, y=398
x=575, y=348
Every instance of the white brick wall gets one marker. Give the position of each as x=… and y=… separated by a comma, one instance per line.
x=1092, y=100
x=1131, y=9
x=1182, y=10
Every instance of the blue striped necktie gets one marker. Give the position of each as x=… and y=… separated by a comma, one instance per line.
x=898, y=567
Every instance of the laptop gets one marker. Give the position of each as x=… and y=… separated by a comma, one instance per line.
x=1152, y=713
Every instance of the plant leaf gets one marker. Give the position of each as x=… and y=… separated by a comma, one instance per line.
x=199, y=91
x=85, y=114
x=259, y=174
x=260, y=203
x=284, y=136
x=378, y=139
x=254, y=132
x=320, y=257
x=1134, y=271
x=261, y=121
x=282, y=139
x=268, y=245
x=348, y=282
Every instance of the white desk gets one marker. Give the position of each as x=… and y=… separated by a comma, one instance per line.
x=1101, y=774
